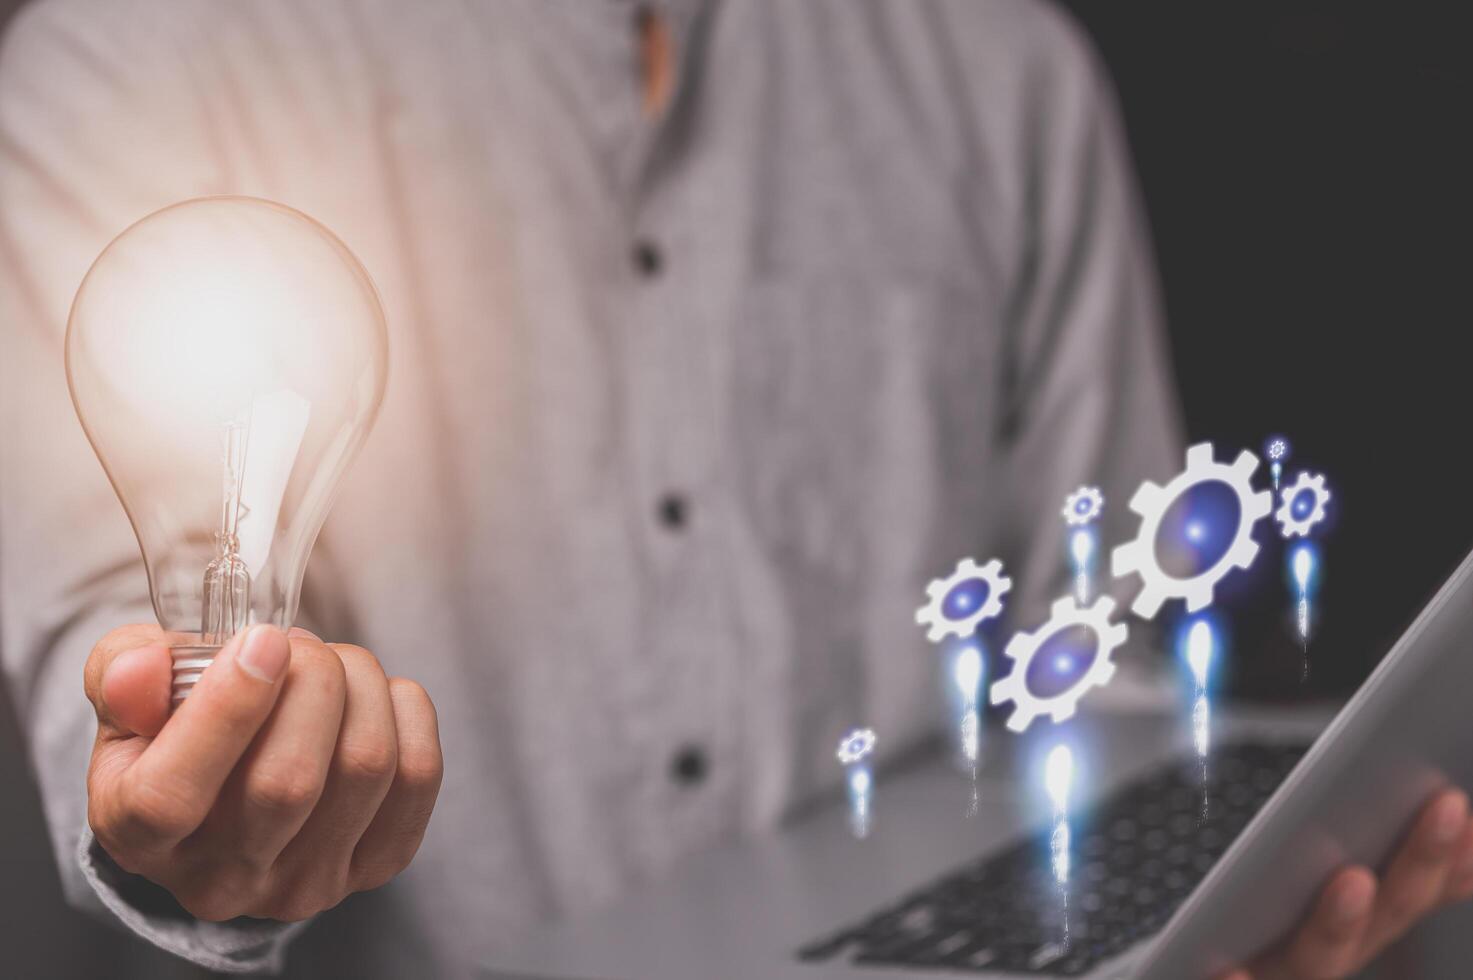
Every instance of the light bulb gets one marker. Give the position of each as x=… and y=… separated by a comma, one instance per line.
x=1199, y=651
x=226, y=357
x=1058, y=773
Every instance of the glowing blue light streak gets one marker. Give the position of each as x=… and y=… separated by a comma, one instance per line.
x=1199, y=658
x=1058, y=776
x=1302, y=563
x=1081, y=550
x=966, y=675
x=854, y=752
x=861, y=798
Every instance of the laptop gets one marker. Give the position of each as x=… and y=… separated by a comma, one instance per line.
x=954, y=879
x=1180, y=866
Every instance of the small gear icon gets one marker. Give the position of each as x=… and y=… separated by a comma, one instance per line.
x=1302, y=505
x=1083, y=506
x=1152, y=503
x=1277, y=449
x=958, y=603
x=856, y=746
x=1066, y=614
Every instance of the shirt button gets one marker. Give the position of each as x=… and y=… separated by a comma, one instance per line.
x=688, y=766
x=647, y=258
x=674, y=511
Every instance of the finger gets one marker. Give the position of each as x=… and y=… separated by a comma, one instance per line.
x=115, y=645
x=1414, y=881
x=1328, y=944
x=393, y=837
x=364, y=761
x=279, y=779
x=136, y=690
x=1459, y=885
x=174, y=782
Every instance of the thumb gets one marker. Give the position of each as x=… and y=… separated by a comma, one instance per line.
x=128, y=681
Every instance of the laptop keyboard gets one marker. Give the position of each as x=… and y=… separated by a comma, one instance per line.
x=1136, y=855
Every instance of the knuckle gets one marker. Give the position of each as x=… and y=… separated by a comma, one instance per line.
x=411, y=690
x=285, y=790
x=351, y=651
x=105, y=828
x=377, y=870
x=375, y=874
x=370, y=759
x=149, y=810
x=421, y=766
x=319, y=667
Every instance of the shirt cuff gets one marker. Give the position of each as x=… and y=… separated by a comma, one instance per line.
x=242, y=945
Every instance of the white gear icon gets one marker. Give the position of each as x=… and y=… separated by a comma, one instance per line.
x=941, y=621
x=1083, y=505
x=856, y=746
x=1023, y=647
x=1299, y=526
x=1152, y=502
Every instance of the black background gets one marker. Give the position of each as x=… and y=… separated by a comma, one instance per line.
x=1306, y=170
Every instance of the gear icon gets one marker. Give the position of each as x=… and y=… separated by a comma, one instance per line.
x=1066, y=614
x=856, y=746
x=1083, y=506
x=1153, y=502
x=1302, y=505
x=1277, y=449
x=958, y=603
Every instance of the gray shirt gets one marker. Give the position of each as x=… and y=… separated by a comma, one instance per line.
x=682, y=414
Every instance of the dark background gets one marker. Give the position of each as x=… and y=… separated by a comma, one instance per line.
x=1306, y=169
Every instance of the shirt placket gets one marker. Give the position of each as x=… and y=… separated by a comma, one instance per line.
x=673, y=440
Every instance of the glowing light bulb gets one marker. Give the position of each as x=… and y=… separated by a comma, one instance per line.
x=1058, y=774
x=226, y=357
x=1303, y=566
x=966, y=672
x=1199, y=651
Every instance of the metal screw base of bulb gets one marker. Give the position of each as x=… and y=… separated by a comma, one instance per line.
x=189, y=663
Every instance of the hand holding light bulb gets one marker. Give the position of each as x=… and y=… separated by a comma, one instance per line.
x=295, y=773
x=227, y=357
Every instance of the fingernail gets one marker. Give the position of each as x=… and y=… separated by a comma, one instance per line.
x=264, y=653
x=1447, y=822
x=297, y=631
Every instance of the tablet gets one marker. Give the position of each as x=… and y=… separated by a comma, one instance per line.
x=1407, y=732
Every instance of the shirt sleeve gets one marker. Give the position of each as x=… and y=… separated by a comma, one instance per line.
x=1088, y=392
x=97, y=129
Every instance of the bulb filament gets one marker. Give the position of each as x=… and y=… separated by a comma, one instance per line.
x=227, y=590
